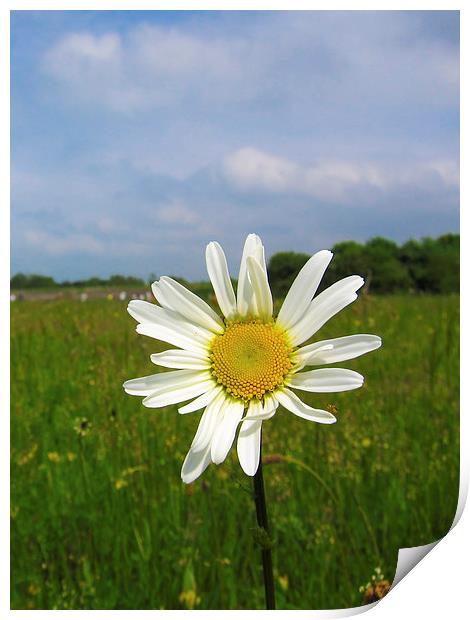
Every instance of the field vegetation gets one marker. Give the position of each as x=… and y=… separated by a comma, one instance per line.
x=101, y=519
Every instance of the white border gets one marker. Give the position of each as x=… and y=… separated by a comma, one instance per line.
x=437, y=585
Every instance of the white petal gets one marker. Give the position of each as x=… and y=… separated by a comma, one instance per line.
x=201, y=401
x=323, y=307
x=176, y=358
x=292, y=402
x=270, y=405
x=160, y=295
x=195, y=464
x=232, y=412
x=145, y=312
x=300, y=355
x=173, y=336
x=261, y=290
x=173, y=295
x=174, y=395
x=249, y=441
x=326, y=380
x=220, y=278
x=337, y=349
x=245, y=296
x=208, y=423
x=303, y=289
x=143, y=386
x=266, y=412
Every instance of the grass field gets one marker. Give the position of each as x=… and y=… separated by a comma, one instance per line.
x=101, y=519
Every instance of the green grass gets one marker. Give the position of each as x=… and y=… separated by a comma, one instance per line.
x=101, y=519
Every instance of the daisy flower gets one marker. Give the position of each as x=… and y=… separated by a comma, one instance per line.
x=240, y=367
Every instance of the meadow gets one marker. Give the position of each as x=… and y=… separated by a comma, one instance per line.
x=101, y=520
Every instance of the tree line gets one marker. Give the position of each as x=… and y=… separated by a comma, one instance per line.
x=31, y=281
x=429, y=265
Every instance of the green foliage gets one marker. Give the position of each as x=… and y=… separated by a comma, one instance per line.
x=33, y=280
x=429, y=265
x=21, y=281
x=282, y=269
x=129, y=281
x=386, y=274
x=433, y=264
x=101, y=520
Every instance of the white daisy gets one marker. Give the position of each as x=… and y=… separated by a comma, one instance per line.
x=241, y=367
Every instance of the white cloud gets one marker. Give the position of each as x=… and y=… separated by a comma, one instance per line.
x=83, y=56
x=150, y=66
x=58, y=244
x=177, y=213
x=250, y=169
x=288, y=59
x=447, y=171
x=172, y=52
x=63, y=243
x=91, y=67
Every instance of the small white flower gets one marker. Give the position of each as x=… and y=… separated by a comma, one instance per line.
x=240, y=368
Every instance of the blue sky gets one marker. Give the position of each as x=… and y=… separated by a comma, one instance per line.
x=139, y=136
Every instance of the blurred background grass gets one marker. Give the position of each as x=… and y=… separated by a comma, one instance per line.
x=101, y=519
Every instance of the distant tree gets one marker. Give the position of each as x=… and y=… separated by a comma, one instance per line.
x=94, y=281
x=33, y=280
x=428, y=265
x=444, y=264
x=349, y=257
x=412, y=257
x=18, y=281
x=434, y=264
x=282, y=270
x=131, y=281
x=387, y=273
x=450, y=241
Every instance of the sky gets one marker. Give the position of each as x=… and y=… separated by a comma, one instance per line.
x=140, y=136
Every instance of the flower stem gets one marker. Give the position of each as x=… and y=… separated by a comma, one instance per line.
x=262, y=518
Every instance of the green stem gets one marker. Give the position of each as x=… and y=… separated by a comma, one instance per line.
x=262, y=518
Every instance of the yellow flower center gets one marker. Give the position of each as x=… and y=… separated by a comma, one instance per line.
x=250, y=358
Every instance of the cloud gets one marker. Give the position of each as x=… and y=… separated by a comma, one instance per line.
x=58, y=245
x=149, y=67
x=90, y=243
x=95, y=63
x=288, y=59
x=177, y=213
x=250, y=169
